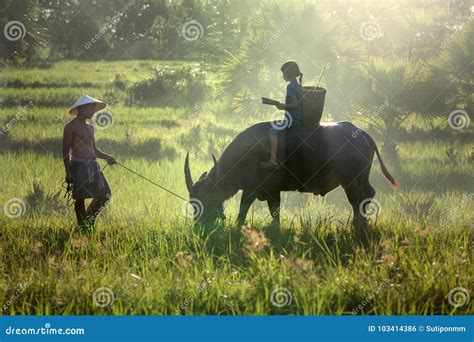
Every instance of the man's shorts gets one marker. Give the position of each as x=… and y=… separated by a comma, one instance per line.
x=89, y=181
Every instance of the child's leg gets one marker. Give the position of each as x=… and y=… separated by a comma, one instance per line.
x=273, y=134
x=95, y=208
x=80, y=209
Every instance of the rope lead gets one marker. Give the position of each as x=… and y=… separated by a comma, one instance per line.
x=152, y=182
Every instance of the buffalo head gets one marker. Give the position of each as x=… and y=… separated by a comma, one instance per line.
x=204, y=195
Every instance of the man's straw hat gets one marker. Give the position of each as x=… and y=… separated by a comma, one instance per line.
x=86, y=99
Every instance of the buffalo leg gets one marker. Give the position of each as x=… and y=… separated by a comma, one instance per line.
x=354, y=195
x=248, y=197
x=274, y=207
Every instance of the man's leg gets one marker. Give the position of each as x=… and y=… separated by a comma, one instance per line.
x=96, y=206
x=80, y=209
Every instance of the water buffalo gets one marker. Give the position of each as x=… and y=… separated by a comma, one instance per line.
x=313, y=160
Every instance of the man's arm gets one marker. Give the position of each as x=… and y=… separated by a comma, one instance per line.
x=67, y=144
x=102, y=155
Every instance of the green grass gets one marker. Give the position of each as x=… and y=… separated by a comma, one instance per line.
x=74, y=73
x=145, y=250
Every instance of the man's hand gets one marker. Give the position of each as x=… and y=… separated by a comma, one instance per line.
x=110, y=160
x=280, y=106
x=69, y=177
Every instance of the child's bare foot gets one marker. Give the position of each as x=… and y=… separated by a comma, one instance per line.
x=271, y=164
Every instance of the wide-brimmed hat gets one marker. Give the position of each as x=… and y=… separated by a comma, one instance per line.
x=86, y=99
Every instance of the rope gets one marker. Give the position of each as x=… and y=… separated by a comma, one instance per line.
x=68, y=193
x=68, y=186
x=152, y=182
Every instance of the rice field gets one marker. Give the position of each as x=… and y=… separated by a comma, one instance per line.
x=144, y=256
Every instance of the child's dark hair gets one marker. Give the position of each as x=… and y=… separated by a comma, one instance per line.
x=292, y=69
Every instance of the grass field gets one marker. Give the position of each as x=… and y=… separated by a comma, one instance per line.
x=144, y=258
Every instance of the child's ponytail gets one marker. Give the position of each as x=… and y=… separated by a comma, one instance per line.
x=301, y=78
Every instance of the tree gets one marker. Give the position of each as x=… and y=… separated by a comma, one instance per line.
x=454, y=68
x=24, y=37
x=278, y=32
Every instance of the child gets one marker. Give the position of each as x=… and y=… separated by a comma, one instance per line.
x=79, y=154
x=292, y=106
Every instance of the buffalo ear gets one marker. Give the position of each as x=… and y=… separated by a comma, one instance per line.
x=214, y=160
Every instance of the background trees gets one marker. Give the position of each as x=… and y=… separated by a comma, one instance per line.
x=385, y=61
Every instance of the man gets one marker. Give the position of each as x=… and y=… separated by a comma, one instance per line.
x=82, y=170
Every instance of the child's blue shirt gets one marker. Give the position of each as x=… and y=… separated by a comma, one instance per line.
x=293, y=89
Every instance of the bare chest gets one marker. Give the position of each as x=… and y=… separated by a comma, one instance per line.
x=83, y=136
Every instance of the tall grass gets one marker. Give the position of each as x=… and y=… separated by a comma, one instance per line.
x=147, y=252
